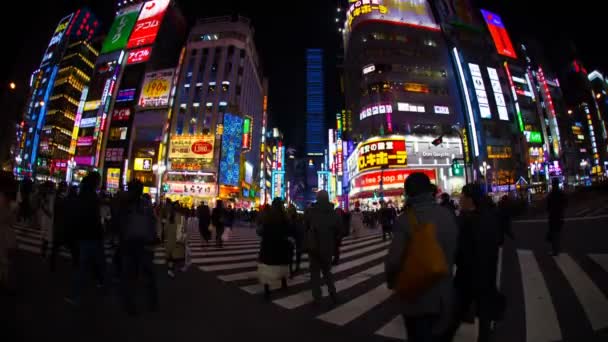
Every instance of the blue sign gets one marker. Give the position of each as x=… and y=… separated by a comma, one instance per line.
x=232, y=140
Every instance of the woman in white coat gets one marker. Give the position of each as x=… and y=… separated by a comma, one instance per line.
x=356, y=221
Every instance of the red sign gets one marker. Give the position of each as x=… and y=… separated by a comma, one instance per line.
x=148, y=23
x=121, y=114
x=139, y=55
x=60, y=164
x=202, y=147
x=390, y=177
x=386, y=152
x=499, y=34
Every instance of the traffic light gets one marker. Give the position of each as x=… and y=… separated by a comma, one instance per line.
x=457, y=169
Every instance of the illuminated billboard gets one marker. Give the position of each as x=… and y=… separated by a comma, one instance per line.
x=389, y=177
x=247, y=130
x=480, y=92
x=51, y=51
x=156, y=89
x=121, y=28
x=499, y=34
x=148, y=23
x=232, y=140
x=192, y=147
x=407, y=12
x=142, y=164
x=385, y=152
x=499, y=97
x=139, y=55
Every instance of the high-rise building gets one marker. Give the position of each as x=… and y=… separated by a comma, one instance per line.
x=315, y=103
x=122, y=122
x=220, y=94
x=56, y=88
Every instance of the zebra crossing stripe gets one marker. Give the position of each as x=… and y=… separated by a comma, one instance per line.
x=305, y=297
x=301, y=279
x=601, y=260
x=589, y=295
x=353, y=309
x=541, y=319
x=396, y=329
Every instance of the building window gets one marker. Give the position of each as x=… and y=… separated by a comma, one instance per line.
x=242, y=53
x=211, y=88
x=194, y=52
x=225, y=86
x=230, y=50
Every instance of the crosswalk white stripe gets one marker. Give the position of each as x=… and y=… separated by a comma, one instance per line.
x=304, y=278
x=254, y=263
x=305, y=297
x=597, y=211
x=396, y=329
x=348, y=312
x=201, y=252
x=589, y=295
x=583, y=211
x=541, y=319
x=601, y=260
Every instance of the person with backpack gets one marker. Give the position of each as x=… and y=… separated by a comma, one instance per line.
x=88, y=235
x=322, y=228
x=418, y=273
x=139, y=236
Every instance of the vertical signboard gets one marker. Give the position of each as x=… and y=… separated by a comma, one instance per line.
x=498, y=95
x=148, y=23
x=480, y=92
x=247, y=130
x=499, y=34
x=54, y=45
x=121, y=28
x=231, y=150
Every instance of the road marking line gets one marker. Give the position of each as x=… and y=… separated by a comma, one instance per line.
x=305, y=297
x=589, y=295
x=348, y=312
x=396, y=329
x=541, y=319
x=601, y=260
x=567, y=219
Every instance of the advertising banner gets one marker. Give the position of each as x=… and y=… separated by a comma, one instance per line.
x=412, y=12
x=139, y=55
x=192, y=188
x=85, y=141
x=142, y=164
x=498, y=95
x=121, y=114
x=480, y=92
x=156, y=89
x=385, y=152
x=192, y=147
x=113, y=179
x=121, y=28
x=232, y=141
x=499, y=34
x=389, y=177
x=56, y=40
x=148, y=23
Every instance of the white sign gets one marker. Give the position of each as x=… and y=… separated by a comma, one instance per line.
x=480, y=91
x=498, y=95
x=88, y=122
x=409, y=107
x=369, y=68
x=375, y=110
x=192, y=188
x=442, y=110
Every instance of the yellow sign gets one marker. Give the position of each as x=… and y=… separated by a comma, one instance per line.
x=465, y=145
x=92, y=105
x=142, y=164
x=499, y=152
x=156, y=89
x=378, y=153
x=192, y=147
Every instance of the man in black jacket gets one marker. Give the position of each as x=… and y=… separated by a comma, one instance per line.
x=556, y=204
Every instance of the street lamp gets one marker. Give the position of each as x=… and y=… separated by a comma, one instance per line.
x=159, y=170
x=570, y=111
x=483, y=168
x=12, y=85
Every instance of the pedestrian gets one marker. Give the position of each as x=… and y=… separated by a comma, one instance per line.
x=218, y=218
x=25, y=200
x=61, y=227
x=356, y=221
x=274, y=248
x=387, y=218
x=476, y=261
x=89, y=236
x=174, y=234
x=46, y=199
x=139, y=239
x=230, y=217
x=556, y=205
x=204, y=219
x=429, y=311
x=297, y=234
x=445, y=201
x=322, y=228
x=505, y=213
x=8, y=249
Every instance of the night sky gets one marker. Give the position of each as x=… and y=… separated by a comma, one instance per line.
x=282, y=40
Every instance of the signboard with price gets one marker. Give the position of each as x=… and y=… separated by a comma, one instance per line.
x=156, y=89
x=385, y=152
x=192, y=146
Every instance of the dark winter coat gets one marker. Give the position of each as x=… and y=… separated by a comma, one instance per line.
x=275, y=246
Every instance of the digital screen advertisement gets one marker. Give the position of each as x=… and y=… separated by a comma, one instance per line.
x=232, y=140
x=148, y=23
x=499, y=34
x=121, y=28
x=156, y=89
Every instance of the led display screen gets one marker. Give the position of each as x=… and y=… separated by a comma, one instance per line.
x=232, y=140
x=148, y=23
x=411, y=12
x=121, y=28
x=499, y=34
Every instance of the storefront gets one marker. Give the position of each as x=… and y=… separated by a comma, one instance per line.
x=378, y=167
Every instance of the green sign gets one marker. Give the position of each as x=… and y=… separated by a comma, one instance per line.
x=533, y=137
x=457, y=169
x=121, y=29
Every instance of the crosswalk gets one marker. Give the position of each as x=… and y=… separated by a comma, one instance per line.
x=365, y=298
x=535, y=285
